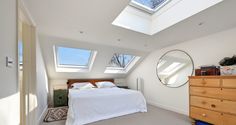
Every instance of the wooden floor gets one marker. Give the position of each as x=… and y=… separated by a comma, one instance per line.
x=154, y=116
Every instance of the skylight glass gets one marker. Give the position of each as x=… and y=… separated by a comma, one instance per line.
x=121, y=63
x=73, y=57
x=150, y=6
x=120, y=60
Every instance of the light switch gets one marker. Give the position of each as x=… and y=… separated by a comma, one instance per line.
x=9, y=62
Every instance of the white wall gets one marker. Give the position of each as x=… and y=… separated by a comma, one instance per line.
x=42, y=83
x=52, y=84
x=208, y=50
x=9, y=97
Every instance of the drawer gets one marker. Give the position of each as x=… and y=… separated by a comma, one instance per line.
x=207, y=103
x=206, y=115
x=205, y=82
x=229, y=94
x=228, y=107
x=206, y=92
x=229, y=119
x=229, y=83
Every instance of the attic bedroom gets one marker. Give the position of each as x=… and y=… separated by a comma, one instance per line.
x=118, y=62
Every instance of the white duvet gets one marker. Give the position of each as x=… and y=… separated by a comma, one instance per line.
x=86, y=106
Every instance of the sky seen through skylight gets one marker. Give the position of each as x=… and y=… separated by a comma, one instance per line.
x=73, y=56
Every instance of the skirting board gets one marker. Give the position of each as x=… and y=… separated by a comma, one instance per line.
x=168, y=107
x=42, y=116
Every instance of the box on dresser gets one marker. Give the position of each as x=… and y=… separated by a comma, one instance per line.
x=207, y=71
x=213, y=99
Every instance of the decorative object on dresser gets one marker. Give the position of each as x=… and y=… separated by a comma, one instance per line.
x=213, y=99
x=228, y=70
x=227, y=61
x=208, y=71
x=228, y=66
x=60, y=96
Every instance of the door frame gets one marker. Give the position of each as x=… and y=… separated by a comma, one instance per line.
x=25, y=19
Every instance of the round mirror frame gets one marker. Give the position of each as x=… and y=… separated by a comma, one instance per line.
x=166, y=54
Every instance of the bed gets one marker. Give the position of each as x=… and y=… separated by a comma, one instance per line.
x=90, y=105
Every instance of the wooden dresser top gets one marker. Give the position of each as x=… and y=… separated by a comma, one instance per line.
x=230, y=76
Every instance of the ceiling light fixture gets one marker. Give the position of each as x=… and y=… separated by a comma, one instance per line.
x=200, y=24
x=81, y=32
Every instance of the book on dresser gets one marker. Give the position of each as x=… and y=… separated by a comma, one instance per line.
x=212, y=99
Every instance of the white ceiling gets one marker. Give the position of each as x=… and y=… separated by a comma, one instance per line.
x=65, y=18
x=172, y=13
x=60, y=22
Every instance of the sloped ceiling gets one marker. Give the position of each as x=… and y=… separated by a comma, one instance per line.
x=60, y=22
x=102, y=58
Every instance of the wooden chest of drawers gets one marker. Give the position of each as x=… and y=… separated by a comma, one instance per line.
x=213, y=99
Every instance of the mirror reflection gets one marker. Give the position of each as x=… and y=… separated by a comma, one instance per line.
x=174, y=67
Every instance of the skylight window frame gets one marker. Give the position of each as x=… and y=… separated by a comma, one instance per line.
x=147, y=9
x=126, y=69
x=73, y=68
x=120, y=68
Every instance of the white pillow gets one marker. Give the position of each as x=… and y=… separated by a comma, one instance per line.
x=105, y=84
x=82, y=85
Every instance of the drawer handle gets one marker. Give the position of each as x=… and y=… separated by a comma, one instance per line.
x=213, y=106
x=204, y=115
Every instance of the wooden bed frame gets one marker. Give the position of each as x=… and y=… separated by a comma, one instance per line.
x=93, y=81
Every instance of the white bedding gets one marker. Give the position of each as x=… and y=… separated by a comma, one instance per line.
x=92, y=105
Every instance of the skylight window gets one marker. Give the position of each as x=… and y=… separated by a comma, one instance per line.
x=120, y=60
x=121, y=63
x=73, y=56
x=73, y=59
x=149, y=6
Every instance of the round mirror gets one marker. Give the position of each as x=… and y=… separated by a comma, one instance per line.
x=174, y=67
